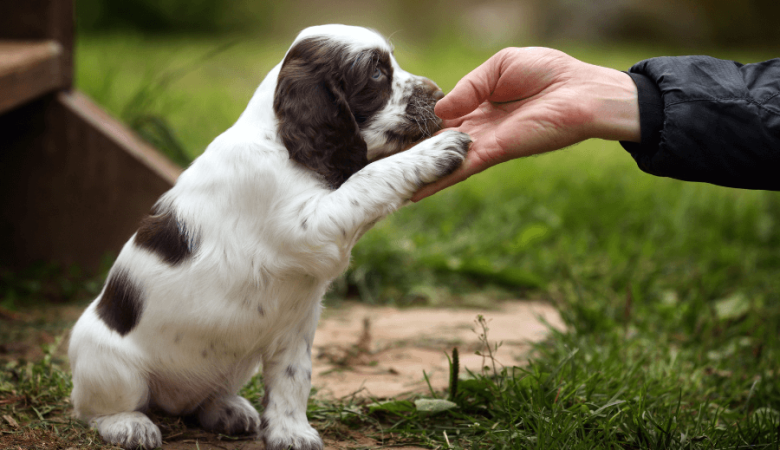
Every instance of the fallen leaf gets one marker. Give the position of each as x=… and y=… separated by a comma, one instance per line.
x=10, y=421
x=733, y=307
x=433, y=406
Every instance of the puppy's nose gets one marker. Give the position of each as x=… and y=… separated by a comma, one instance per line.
x=434, y=89
x=430, y=84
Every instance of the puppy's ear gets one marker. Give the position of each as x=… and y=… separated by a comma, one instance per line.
x=315, y=121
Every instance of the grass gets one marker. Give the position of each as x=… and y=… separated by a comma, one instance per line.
x=597, y=398
x=670, y=290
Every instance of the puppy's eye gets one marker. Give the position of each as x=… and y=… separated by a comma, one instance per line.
x=377, y=73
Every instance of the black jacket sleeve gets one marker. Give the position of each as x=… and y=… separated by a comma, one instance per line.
x=710, y=120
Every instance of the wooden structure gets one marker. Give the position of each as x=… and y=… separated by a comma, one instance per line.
x=74, y=182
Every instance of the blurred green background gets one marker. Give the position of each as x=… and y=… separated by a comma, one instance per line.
x=689, y=23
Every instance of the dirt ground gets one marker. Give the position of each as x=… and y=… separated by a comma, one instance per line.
x=394, y=346
x=368, y=352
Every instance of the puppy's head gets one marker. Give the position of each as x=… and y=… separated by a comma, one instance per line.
x=342, y=101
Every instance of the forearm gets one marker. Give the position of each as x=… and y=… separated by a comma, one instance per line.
x=714, y=121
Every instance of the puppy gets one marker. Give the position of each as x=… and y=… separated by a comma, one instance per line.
x=228, y=271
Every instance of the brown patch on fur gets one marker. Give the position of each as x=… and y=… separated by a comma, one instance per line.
x=290, y=371
x=323, y=97
x=165, y=235
x=120, y=305
x=421, y=122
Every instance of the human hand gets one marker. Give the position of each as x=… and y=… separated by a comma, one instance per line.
x=525, y=101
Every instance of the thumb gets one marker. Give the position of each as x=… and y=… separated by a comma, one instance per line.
x=470, y=92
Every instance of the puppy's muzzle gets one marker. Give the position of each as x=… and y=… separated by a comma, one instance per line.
x=432, y=89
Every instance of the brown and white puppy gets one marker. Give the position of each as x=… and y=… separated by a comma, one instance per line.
x=228, y=272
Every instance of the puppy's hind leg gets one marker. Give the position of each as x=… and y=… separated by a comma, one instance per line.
x=108, y=393
x=129, y=430
x=231, y=415
x=117, y=421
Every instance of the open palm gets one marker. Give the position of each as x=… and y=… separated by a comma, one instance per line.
x=520, y=102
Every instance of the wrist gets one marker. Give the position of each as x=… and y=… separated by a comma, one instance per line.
x=615, y=107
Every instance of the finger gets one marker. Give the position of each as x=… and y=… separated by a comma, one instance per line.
x=469, y=92
x=452, y=123
x=473, y=117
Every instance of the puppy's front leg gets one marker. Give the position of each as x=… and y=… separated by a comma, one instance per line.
x=287, y=379
x=385, y=185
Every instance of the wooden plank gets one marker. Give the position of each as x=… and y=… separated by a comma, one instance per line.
x=28, y=70
x=122, y=137
x=38, y=20
x=75, y=182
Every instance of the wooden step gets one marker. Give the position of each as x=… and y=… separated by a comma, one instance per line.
x=74, y=182
x=28, y=70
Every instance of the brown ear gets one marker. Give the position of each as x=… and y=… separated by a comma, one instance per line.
x=315, y=121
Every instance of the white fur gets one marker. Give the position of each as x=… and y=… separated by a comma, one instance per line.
x=251, y=294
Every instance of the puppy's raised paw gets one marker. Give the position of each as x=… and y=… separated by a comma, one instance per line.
x=453, y=146
x=130, y=430
x=230, y=415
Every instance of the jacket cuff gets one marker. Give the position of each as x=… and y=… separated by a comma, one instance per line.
x=651, y=115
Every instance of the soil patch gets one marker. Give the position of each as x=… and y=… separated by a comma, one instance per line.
x=382, y=351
